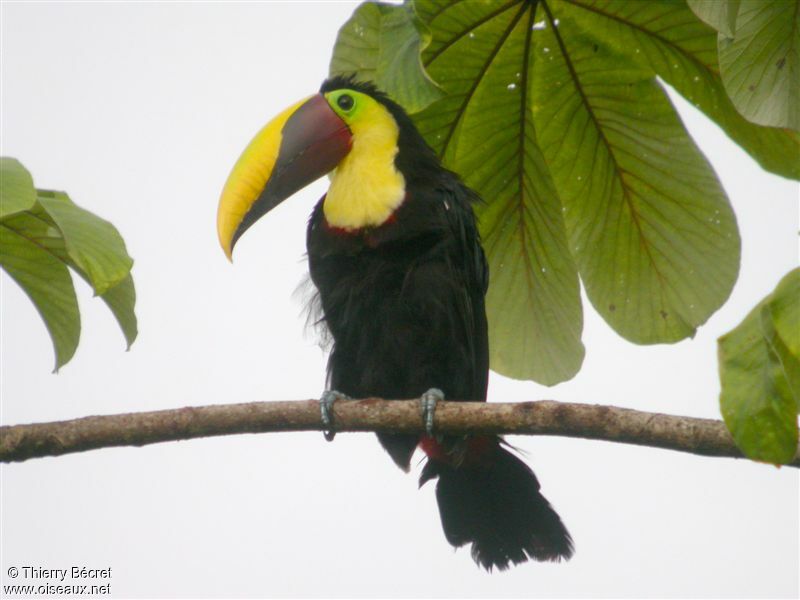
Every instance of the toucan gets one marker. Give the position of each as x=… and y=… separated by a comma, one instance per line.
x=400, y=275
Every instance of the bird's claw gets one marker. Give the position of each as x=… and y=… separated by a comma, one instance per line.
x=326, y=411
x=428, y=402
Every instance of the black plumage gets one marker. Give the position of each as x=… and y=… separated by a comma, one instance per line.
x=404, y=304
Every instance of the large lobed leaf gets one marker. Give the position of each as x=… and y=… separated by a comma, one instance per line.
x=665, y=38
x=761, y=62
x=651, y=228
x=759, y=365
x=37, y=245
x=720, y=14
x=382, y=42
x=553, y=113
x=484, y=129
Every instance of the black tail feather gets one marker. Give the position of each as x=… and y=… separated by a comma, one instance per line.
x=496, y=505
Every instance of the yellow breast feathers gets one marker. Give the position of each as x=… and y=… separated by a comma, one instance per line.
x=366, y=188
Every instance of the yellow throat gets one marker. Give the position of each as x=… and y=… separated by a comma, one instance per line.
x=366, y=188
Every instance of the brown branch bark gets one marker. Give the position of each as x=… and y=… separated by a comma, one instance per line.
x=704, y=437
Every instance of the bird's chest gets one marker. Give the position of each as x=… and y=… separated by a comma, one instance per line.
x=358, y=277
x=363, y=278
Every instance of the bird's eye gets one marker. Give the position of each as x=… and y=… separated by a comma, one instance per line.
x=345, y=101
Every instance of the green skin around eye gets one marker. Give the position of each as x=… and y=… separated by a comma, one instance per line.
x=359, y=100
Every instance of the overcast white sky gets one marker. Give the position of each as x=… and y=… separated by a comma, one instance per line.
x=139, y=111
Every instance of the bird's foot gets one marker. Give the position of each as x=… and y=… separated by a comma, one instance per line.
x=428, y=402
x=326, y=410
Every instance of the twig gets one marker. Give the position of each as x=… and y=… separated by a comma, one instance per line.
x=705, y=437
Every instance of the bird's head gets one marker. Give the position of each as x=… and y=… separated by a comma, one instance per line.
x=303, y=143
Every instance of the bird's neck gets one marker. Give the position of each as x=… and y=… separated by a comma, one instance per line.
x=366, y=188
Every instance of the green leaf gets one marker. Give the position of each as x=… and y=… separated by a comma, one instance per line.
x=667, y=39
x=382, y=43
x=121, y=300
x=93, y=244
x=761, y=64
x=720, y=14
x=16, y=187
x=484, y=129
x=47, y=283
x=757, y=402
x=781, y=326
x=39, y=228
x=651, y=228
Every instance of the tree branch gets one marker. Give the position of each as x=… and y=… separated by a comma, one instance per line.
x=705, y=437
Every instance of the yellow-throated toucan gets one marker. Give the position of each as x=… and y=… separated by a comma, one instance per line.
x=396, y=259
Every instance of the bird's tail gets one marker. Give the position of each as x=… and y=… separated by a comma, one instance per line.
x=491, y=499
